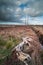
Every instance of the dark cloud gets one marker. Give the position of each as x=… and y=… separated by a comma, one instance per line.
x=8, y=9
x=13, y=10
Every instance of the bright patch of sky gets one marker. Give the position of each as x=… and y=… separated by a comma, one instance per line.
x=21, y=12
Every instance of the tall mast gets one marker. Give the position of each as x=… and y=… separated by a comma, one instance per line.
x=26, y=20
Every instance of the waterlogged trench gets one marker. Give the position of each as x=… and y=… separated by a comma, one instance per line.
x=21, y=55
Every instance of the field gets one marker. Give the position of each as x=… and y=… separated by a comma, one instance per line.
x=11, y=36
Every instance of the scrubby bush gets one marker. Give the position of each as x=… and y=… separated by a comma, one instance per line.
x=9, y=44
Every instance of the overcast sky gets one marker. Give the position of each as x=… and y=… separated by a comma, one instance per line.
x=18, y=11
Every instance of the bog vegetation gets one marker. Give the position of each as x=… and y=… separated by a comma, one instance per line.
x=6, y=46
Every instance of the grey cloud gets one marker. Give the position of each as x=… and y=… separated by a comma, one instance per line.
x=36, y=8
x=33, y=8
x=7, y=2
x=8, y=10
